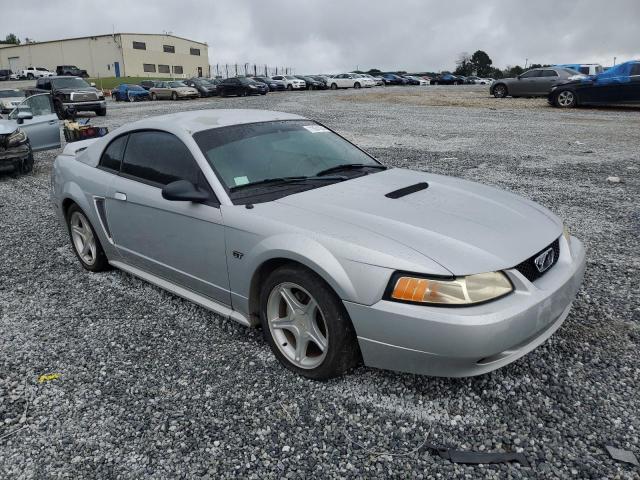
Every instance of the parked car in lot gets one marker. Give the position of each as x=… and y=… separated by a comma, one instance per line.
x=71, y=71
x=619, y=84
x=126, y=92
x=584, y=68
x=70, y=95
x=447, y=79
x=321, y=78
x=473, y=80
x=536, y=82
x=311, y=83
x=346, y=80
x=241, y=86
x=202, y=85
x=9, y=99
x=5, y=74
x=173, y=90
x=273, y=219
x=147, y=84
x=412, y=80
x=393, y=79
x=31, y=126
x=36, y=72
x=274, y=85
x=291, y=82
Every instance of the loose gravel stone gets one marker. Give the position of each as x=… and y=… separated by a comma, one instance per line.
x=152, y=386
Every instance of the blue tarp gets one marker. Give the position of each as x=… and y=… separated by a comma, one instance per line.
x=618, y=74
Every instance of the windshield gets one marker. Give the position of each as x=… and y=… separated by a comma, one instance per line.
x=176, y=84
x=243, y=154
x=10, y=93
x=70, y=82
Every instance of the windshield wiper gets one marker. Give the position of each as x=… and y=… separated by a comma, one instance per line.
x=284, y=181
x=349, y=166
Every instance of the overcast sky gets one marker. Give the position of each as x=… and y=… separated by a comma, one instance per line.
x=339, y=35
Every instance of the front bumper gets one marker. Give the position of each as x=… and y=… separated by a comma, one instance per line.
x=11, y=158
x=86, y=106
x=188, y=94
x=467, y=341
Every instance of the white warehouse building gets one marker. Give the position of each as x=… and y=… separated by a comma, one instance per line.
x=116, y=55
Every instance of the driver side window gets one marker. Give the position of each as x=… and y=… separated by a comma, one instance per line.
x=37, y=105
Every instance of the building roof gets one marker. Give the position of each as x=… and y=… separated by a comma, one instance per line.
x=8, y=45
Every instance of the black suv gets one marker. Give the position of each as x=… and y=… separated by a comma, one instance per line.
x=70, y=71
x=70, y=95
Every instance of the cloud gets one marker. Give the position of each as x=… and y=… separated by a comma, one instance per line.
x=333, y=35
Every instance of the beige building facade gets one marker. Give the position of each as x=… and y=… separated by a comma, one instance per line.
x=116, y=55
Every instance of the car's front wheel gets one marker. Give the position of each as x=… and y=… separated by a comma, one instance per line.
x=306, y=324
x=86, y=244
x=566, y=99
x=174, y=96
x=500, y=91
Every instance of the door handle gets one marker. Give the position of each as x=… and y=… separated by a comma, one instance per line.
x=53, y=122
x=120, y=196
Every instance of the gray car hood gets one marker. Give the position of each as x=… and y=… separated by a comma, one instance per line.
x=7, y=126
x=466, y=227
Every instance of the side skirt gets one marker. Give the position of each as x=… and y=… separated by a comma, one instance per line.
x=184, y=293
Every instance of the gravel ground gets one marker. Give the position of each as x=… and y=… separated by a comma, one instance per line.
x=152, y=386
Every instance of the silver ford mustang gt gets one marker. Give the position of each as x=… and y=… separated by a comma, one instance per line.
x=272, y=219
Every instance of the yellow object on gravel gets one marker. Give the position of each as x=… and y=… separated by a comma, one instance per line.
x=48, y=377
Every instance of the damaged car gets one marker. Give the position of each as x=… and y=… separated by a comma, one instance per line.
x=275, y=220
x=30, y=127
x=617, y=85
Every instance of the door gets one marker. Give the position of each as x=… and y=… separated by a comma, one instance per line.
x=116, y=68
x=544, y=83
x=13, y=64
x=43, y=130
x=632, y=89
x=199, y=71
x=525, y=85
x=182, y=242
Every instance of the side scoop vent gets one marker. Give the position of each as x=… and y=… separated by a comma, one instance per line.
x=407, y=190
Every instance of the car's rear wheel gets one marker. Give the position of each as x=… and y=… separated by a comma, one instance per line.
x=85, y=242
x=334, y=86
x=306, y=324
x=357, y=85
x=174, y=96
x=500, y=91
x=566, y=99
x=153, y=96
x=130, y=97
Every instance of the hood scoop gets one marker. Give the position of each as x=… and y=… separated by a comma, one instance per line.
x=402, y=192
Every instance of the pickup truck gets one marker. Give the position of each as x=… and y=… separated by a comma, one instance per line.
x=71, y=70
x=70, y=95
x=35, y=72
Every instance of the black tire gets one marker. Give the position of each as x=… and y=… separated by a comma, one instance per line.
x=565, y=99
x=30, y=76
x=500, y=90
x=153, y=96
x=101, y=263
x=334, y=86
x=27, y=165
x=289, y=87
x=101, y=112
x=343, y=352
x=357, y=85
x=174, y=96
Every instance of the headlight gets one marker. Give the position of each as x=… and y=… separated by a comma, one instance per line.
x=460, y=291
x=16, y=138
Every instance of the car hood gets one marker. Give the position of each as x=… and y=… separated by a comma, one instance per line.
x=7, y=126
x=463, y=226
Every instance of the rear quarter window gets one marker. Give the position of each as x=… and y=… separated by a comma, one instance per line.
x=112, y=156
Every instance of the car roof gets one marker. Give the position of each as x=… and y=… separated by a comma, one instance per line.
x=198, y=120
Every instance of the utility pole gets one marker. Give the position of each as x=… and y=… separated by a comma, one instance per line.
x=614, y=61
x=526, y=61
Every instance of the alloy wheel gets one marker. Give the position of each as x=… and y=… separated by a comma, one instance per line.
x=500, y=91
x=297, y=325
x=566, y=99
x=83, y=240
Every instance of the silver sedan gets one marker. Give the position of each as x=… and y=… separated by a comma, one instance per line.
x=274, y=220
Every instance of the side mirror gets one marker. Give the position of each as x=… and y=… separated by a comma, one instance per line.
x=23, y=115
x=184, y=191
x=518, y=77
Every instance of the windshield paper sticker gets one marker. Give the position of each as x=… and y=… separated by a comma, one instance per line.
x=241, y=180
x=315, y=128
